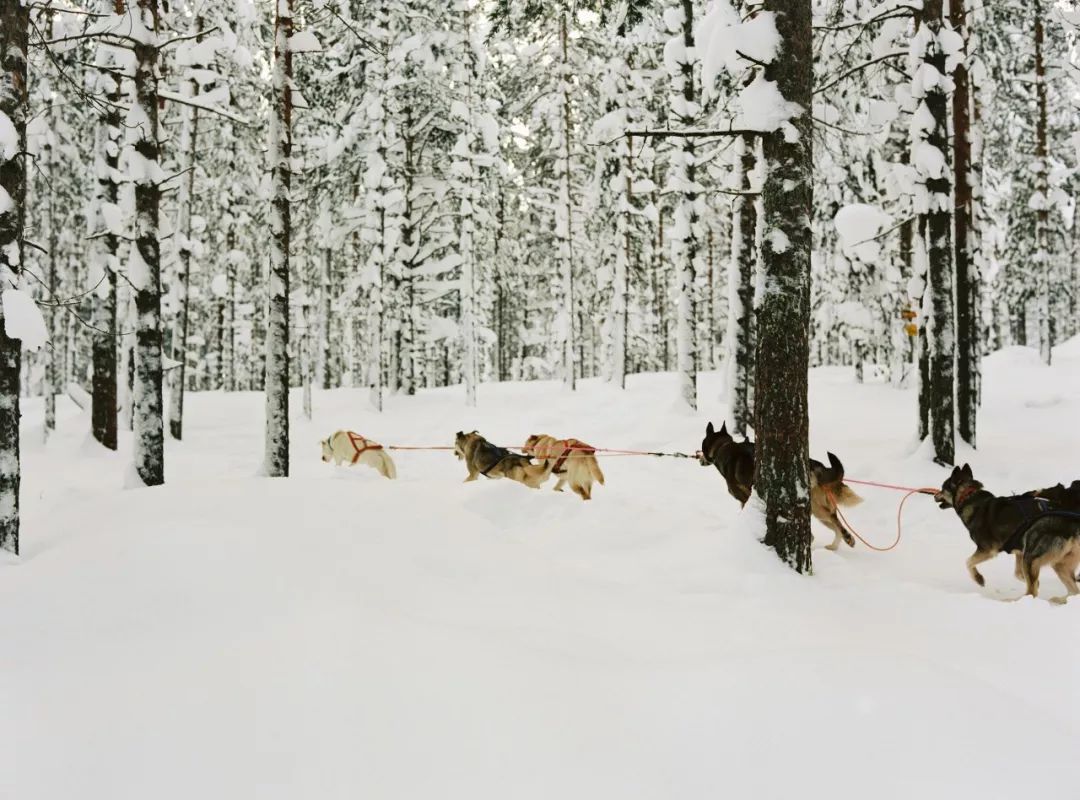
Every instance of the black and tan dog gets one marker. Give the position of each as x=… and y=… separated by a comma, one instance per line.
x=1030, y=528
x=483, y=458
x=1060, y=496
x=735, y=462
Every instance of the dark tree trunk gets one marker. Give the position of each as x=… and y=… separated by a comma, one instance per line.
x=783, y=337
x=149, y=438
x=967, y=333
x=1042, y=187
x=939, y=255
x=276, y=462
x=14, y=40
x=104, y=385
x=740, y=370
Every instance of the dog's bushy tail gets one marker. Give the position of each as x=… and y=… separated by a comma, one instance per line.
x=595, y=471
x=388, y=465
x=845, y=496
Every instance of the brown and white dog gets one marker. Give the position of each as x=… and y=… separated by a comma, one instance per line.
x=572, y=461
x=346, y=447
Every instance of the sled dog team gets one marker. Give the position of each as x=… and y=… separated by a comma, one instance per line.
x=1041, y=528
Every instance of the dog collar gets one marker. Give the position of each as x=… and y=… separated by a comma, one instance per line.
x=964, y=494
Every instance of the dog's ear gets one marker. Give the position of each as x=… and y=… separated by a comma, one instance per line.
x=723, y=429
x=965, y=472
x=709, y=430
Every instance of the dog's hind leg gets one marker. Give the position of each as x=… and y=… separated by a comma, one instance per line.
x=976, y=558
x=828, y=518
x=1064, y=572
x=560, y=483
x=582, y=491
x=1018, y=571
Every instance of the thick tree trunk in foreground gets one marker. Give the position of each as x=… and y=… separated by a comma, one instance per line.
x=564, y=220
x=276, y=463
x=14, y=40
x=783, y=338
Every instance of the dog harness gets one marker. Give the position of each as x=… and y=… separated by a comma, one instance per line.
x=572, y=445
x=363, y=446
x=1037, y=508
x=495, y=454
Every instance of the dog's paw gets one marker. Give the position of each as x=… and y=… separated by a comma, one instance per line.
x=849, y=540
x=833, y=547
x=978, y=578
x=1059, y=601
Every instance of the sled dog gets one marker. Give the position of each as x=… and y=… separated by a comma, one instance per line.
x=346, y=447
x=481, y=457
x=572, y=462
x=1060, y=496
x=735, y=462
x=1033, y=530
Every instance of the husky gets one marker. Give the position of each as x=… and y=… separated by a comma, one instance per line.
x=352, y=448
x=735, y=462
x=1060, y=496
x=573, y=462
x=1028, y=527
x=483, y=458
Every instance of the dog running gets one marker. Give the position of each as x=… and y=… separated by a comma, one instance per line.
x=572, y=462
x=735, y=462
x=347, y=447
x=1027, y=526
x=481, y=457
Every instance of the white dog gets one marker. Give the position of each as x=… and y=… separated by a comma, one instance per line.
x=346, y=447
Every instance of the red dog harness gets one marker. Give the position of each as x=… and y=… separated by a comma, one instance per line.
x=363, y=446
x=572, y=446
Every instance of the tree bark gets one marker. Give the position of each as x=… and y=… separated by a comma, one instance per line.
x=146, y=272
x=938, y=220
x=14, y=41
x=104, y=256
x=564, y=227
x=783, y=346
x=967, y=333
x=189, y=136
x=740, y=333
x=276, y=463
x=1042, y=188
x=684, y=238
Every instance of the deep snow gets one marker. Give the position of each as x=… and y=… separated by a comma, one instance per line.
x=338, y=635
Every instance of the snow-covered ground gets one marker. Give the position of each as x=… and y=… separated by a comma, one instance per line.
x=338, y=635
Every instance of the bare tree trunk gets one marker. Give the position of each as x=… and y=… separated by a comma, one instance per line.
x=564, y=226
x=14, y=101
x=104, y=256
x=742, y=270
x=684, y=237
x=938, y=225
x=783, y=347
x=967, y=332
x=1042, y=190
x=276, y=463
x=189, y=136
x=146, y=269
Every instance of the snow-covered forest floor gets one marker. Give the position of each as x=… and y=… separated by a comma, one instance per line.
x=338, y=635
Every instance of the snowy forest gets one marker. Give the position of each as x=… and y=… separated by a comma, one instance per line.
x=403, y=194
x=838, y=238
